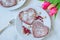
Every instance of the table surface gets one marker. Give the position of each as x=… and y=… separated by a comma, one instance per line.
x=11, y=34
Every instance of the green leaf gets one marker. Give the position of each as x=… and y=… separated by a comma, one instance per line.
x=51, y=1
x=56, y=2
x=58, y=6
x=41, y=0
x=55, y=16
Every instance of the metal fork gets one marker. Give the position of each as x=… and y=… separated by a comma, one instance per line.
x=12, y=22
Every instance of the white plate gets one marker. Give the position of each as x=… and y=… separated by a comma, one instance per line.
x=19, y=4
x=47, y=22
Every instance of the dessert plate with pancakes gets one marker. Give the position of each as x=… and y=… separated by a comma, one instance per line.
x=33, y=23
x=11, y=4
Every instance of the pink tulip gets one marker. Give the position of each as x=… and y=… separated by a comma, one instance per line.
x=45, y=5
x=53, y=11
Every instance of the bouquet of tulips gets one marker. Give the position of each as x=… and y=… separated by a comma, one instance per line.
x=52, y=5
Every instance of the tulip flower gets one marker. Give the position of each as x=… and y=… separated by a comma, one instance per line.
x=53, y=11
x=45, y=5
x=50, y=6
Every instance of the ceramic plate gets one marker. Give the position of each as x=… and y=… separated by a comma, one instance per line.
x=46, y=20
x=19, y=4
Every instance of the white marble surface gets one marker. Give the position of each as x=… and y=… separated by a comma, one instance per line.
x=11, y=34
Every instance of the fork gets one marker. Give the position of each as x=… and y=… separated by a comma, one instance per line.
x=12, y=22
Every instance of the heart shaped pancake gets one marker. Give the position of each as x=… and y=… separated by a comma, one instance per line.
x=8, y=3
x=28, y=16
x=39, y=30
